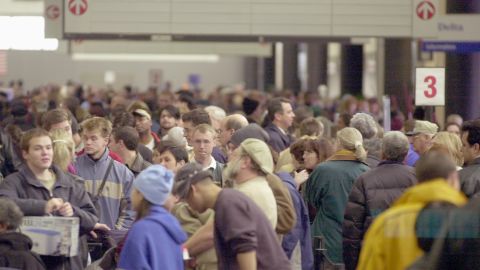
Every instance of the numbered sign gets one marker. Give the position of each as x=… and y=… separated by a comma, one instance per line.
x=430, y=87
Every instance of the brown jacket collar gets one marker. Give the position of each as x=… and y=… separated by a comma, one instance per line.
x=345, y=155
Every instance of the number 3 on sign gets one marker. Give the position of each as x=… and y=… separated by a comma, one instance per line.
x=432, y=91
x=430, y=86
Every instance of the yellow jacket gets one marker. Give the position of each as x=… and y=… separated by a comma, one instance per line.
x=390, y=242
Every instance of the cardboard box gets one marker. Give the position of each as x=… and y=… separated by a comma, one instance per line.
x=54, y=236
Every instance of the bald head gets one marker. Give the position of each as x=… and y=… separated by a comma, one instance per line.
x=229, y=125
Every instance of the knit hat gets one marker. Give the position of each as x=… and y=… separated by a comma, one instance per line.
x=155, y=183
x=189, y=175
x=250, y=131
x=259, y=152
x=424, y=127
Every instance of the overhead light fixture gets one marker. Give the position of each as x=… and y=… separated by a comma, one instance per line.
x=209, y=58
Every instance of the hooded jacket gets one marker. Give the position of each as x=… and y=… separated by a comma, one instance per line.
x=15, y=252
x=154, y=242
x=391, y=242
x=31, y=196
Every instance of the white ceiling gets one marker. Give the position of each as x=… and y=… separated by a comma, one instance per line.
x=19, y=8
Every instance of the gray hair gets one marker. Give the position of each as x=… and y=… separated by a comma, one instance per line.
x=365, y=124
x=395, y=146
x=215, y=112
x=373, y=147
x=10, y=214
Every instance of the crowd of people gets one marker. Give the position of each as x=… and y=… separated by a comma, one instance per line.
x=236, y=180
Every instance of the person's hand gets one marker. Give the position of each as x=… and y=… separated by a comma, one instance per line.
x=66, y=210
x=99, y=227
x=53, y=205
x=301, y=177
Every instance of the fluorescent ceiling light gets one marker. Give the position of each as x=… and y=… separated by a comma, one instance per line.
x=25, y=33
x=211, y=58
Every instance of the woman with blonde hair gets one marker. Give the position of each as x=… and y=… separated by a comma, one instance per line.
x=452, y=143
x=63, y=150
x=328, y=187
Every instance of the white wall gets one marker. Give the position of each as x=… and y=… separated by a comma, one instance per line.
x=41, y=67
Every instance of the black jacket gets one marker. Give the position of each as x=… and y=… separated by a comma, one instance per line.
x=470, y=179
x=372, y=193
x=15, y=252
x=9, y=160
x=279, y=141
x=31, y=196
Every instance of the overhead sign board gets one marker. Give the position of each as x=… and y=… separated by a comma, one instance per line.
x=53, y=18
x=430, y=87
x=449, y=46
x=240, y=18
x=425, y=18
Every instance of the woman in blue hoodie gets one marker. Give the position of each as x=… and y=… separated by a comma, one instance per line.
x=155, y=239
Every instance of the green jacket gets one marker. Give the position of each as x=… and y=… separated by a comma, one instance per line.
x=327, y=190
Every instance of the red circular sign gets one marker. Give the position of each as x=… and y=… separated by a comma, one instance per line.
x=77, y=7
x=52, y=12
x=425, y=10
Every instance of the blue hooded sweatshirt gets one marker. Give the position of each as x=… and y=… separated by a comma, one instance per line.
x=154, y=242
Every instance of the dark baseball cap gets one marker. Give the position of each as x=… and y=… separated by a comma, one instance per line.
x=189, y=175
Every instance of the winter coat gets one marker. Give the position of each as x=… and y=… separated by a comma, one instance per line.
x=31, y=196
x=279, y=141
x=327, y=189
x=300, y=234
x=391, y=242
x=372, y=193
x=470, y=179
x=15, y=252
x=154, y=242
x=114, y=203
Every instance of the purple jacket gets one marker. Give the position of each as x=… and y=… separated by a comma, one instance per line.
x=301, y=231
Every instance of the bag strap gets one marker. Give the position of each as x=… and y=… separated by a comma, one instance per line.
x=433, y=257
x=104, y=180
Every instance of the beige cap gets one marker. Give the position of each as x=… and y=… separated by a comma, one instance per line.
x=142, y=112
x=259, y=152
x=424, y=127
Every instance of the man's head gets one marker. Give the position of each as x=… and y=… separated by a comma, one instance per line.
x=203, y=141
x=57, y=119
x=453, y=128
x=249, y=131
x=311, y=127
x=229, y=125
x=10, y=215
x=37, y=149
x=395, y=146
x=423, y=134
x=434, y=165
x=95, y=135
x=280, y=112
x=192, y=119
x=171, y=156
x=124, y=139
x=365, y=124
x=252, y=158
x=216, y=114
x=143, y=121
x=471, y=140
x=169, y=117
x=194, y=185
